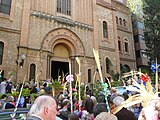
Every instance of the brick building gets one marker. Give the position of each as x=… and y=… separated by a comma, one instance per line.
x=51, y=32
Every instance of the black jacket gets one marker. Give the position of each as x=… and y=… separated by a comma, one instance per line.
x=125, y=114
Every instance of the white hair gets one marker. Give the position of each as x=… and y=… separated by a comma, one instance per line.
x=105, y=116
x=118, y=100
x=40, y=103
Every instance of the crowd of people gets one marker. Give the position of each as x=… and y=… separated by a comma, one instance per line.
x=46, y=107
x=93, y=108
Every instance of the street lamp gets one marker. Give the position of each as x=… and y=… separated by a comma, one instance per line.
x=21, y=61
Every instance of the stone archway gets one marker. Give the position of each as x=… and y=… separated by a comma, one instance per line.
x=64, y=36
x=63, y=44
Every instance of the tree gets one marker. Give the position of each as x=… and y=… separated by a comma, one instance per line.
x=152, y=28
x=149, y=11
x=136, y=7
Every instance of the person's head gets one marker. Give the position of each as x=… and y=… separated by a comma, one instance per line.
x=45, y=84
x=73, y=116
x=113, y=90
x=10, y=99
x=89, y=105
x=4, y=96
x=94, y=100
x=45, y=107
x=118, y=100
x=61, y=97
x=101, y=99
x=106, y=116
x=65, y=104
x=100, y=107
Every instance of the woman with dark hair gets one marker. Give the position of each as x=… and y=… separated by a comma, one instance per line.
x=99, y=108
x=87, y=113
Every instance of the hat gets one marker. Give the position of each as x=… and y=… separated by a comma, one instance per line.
x=105, y=116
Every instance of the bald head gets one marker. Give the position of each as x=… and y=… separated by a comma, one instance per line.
x=113, y=90
x=44, y=99
x=42, y=106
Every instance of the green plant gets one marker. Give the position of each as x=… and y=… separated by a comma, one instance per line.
x=57, y=85
x=15, y=94
x=115, y=76
x=25, y=92
x=116, y=83
x=82, y=92
x=96, y=88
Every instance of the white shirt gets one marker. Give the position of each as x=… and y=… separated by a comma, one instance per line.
x=3, y=87
x=36, y=116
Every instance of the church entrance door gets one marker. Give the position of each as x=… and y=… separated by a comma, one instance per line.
x=59, y=69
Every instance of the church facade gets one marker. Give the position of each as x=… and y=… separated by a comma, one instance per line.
x=39, y=38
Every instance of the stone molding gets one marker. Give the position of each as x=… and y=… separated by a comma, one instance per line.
x=62, y=19
x=63, y=36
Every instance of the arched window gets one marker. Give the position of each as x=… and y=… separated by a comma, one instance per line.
x=89, y=75
x=124, y=22
x=105, y=29
x=32, y=72
x=1, y=52
x=116, y=19
x=108, y=65
x=119, y=44
x=126, y=48
x=127, y=68
x=120, y=21
x=5, y=6
x=124, y=68
x=64, y=6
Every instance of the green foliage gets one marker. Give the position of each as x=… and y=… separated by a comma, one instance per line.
x=115, y=76
x=25, y=92
x=96, y=88
x=57, y=85
x=34, y=96
x=152, y=28
x=145, y=70
x=151, y=17
x=82, y=91
x=15, y=94
x=135, y=6
x=116, y=83
x=152, y=79
x=6, y=95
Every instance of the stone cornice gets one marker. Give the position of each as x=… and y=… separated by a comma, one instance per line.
x=10, y=30
x=107, y=48
x=124, y=30
x=40, y=50
x=61, y=19
x=82, y=56
x=105, y=4
x=127, y=59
